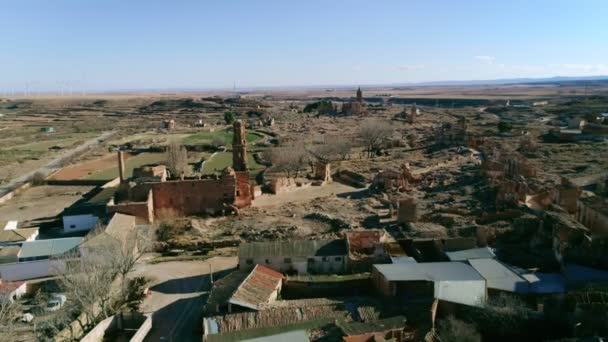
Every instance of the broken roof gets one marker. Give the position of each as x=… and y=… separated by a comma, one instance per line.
x=429, y=271
x=298, y=248
x=499, y=276
x=16, y=235
x=474, y=253
x=358, y=328
x=42, y=248
x=121, y=229
x=258, y=289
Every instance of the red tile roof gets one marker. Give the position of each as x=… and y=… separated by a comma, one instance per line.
x=258, y=288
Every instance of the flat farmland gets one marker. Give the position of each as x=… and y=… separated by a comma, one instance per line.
x=85, y=169
x=131, y=163
x=226, y=136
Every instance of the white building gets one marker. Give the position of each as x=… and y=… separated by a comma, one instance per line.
x=454, y=282
x=34, y=259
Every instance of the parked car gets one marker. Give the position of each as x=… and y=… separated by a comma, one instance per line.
x=56, y=302
x=27, y=318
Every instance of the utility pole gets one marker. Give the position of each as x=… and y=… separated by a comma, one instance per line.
x=210, y=275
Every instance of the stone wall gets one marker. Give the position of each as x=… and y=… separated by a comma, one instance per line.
x=408, y=210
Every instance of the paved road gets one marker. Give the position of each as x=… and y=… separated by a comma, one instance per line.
x=54, y=164
x=178, y=293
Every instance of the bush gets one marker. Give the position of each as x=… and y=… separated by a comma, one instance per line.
x=229, y=117
x=504, y=127
x=454, y=330
x=38, y=179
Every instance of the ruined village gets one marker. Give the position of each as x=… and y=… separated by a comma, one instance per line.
x=354, y=214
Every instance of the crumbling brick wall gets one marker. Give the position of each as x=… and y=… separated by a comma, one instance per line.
x=188, y=197
x=143, y=211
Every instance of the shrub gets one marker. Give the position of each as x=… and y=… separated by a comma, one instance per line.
x=229, y=117
x=454, y=330
x=504, y=127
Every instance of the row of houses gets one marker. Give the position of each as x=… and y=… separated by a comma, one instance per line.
x=23, y=257
x=253, y=298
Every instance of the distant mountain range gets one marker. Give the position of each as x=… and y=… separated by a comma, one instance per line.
x=555, y=79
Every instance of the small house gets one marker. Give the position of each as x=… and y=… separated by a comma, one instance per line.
x=452, y=282
x=260, y=288
x=48, y=129
x=299, y=256
x=35, y=259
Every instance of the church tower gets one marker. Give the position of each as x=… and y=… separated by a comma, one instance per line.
x=359, y=95
x=239, y=147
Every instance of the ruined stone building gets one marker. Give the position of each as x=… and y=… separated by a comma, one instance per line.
x=411, y=115
x=168, y=124
x=356, y=107
x=152, y=196
x=353, y=108
x=452, y=134
x=592, y=212
x=393, y=180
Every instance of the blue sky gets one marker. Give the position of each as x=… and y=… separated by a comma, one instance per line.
x=135, y=44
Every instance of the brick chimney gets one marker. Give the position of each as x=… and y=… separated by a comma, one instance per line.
x=121, y=166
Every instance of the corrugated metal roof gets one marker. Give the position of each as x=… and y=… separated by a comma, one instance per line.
x=258, y=288
x=291, y=336
x=474, y=253
x=429, y=271
x=500, y=277
x=403, y=260
x=40, y=248
x=298, y=248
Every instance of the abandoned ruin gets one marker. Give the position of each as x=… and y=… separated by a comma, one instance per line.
x=150, y=195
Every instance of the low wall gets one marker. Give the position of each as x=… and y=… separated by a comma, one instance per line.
x=12, y=194
x=114, y=322
x=296, y=289
x=143, y=330
x=96, y=335
x=77, y=182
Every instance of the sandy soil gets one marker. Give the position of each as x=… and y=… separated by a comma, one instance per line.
x=84, y=169
x=41, y=202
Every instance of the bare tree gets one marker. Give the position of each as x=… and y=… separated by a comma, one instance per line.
x=177, y=159
x=332, y=148
x=290, y=159
x=374, y=135
x=94, y=277
x=9, y=313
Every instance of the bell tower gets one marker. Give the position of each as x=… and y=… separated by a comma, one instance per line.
x=239, y=147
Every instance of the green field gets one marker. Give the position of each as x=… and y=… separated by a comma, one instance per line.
x=207, y=137
x=223, y=159
x=133, y=162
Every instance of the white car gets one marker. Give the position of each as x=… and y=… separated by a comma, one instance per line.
x=56, y=302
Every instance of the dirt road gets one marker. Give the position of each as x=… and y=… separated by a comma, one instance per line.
x=54, y=164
